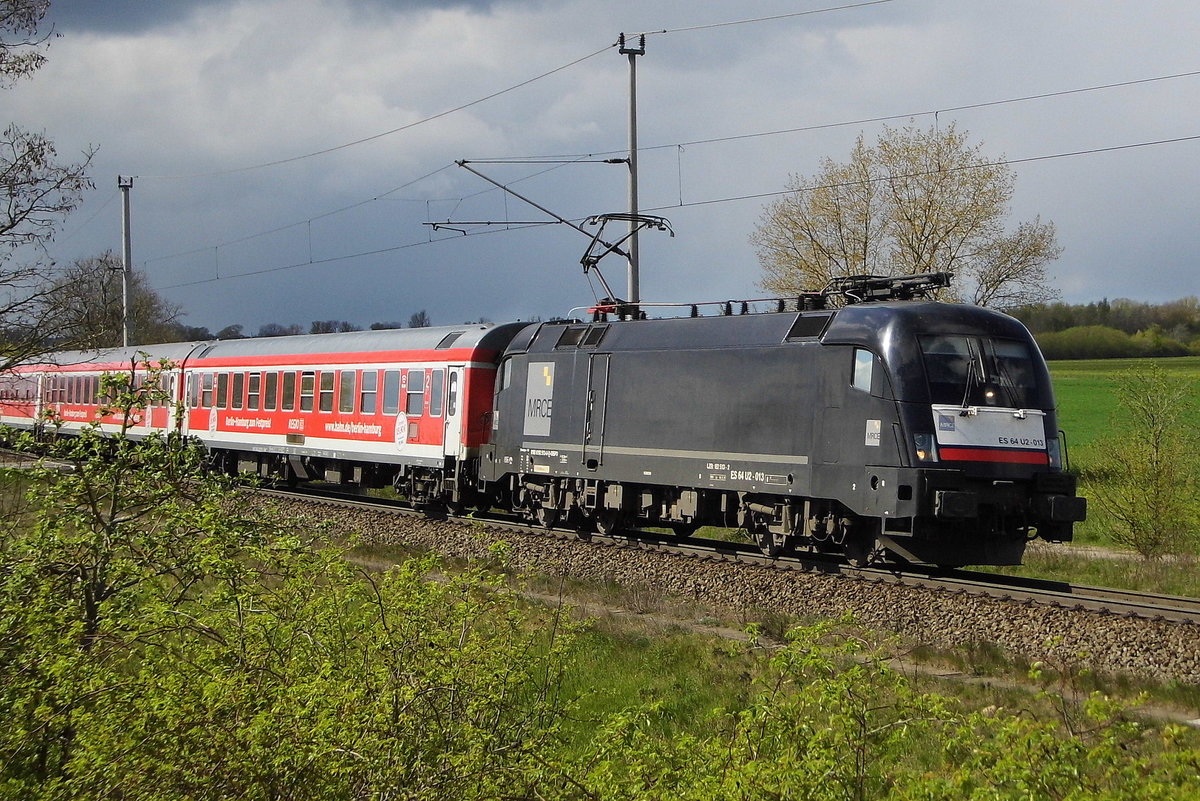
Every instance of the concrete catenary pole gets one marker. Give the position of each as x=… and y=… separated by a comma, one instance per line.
x=125, y=183
x=627, y=49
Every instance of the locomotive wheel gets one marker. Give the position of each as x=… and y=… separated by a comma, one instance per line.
x=545, y=516
x=859, y=552
x=765, y=541
x=608, y=522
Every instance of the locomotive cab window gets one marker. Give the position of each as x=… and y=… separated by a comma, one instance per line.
x=977, y=371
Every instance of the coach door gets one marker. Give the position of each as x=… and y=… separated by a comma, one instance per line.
x=452, y=441
x=597, y=400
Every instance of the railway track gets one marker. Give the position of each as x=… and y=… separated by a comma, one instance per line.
x=1012, y=589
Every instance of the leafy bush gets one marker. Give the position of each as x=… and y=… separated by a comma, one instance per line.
x=1143, y=475
x=158, y=640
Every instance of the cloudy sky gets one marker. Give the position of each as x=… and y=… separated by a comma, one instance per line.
x=287, y=153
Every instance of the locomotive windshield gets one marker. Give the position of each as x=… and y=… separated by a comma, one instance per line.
x=979, y=371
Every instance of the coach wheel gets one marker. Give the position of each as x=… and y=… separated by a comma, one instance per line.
x=684, y=530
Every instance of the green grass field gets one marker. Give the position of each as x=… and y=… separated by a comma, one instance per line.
x=1087, y=402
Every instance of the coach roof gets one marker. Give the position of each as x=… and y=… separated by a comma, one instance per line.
x=488, y=337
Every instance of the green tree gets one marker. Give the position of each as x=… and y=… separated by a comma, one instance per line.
x=916, y=201
x=1144, y=474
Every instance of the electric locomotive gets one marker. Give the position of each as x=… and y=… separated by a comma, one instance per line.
x=919, y=430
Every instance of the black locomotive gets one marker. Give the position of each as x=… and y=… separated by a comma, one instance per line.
x=925, y=431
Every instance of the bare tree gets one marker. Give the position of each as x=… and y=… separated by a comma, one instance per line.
x=87, y=306
x=279, y=330
x=20, y=44
x=331, y=327
x=419, y=320
x=916, y=201
x=37, y=191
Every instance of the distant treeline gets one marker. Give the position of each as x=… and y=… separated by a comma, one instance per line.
x=1114, y=329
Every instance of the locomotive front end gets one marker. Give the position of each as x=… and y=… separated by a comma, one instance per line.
x=984, y=451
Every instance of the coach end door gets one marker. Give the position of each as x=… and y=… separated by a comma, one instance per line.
x=452, y=441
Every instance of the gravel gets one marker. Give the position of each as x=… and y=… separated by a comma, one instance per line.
x=1162, y=650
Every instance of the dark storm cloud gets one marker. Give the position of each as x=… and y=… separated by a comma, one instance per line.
x=135, y=16
x=131, y=16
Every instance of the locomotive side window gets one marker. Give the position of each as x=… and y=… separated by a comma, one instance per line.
x=307, y=389
x=864, y=367
x=415, y=403
x=253, y=391
x=288, y=401
x=346, y=392
x=366, y=398
x=222, y=390
x=436, y=382
x=272, y=391
x=391, y=392
x=327, y=391
x=239, y=387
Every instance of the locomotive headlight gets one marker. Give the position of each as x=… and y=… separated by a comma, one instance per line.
x=1054, y=453
x=926, y=447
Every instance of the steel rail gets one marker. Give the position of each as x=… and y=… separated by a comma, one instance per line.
x=1014, y=589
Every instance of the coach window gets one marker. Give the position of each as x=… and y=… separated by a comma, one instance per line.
x=222, y=390
x=272, y=391
x=391, y=391
x=437, y=380
x=207, y=386
x=326, y=391
x=346, y=392
x=415, y=403
x=288, y=401
x=239, y=390
x=864, y=366
x=253, y=391
x=70, y=389
x=307, y=389
x=452, y=398
x=366, y=400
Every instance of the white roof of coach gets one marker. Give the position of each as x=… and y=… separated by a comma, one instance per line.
x=391, y=339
